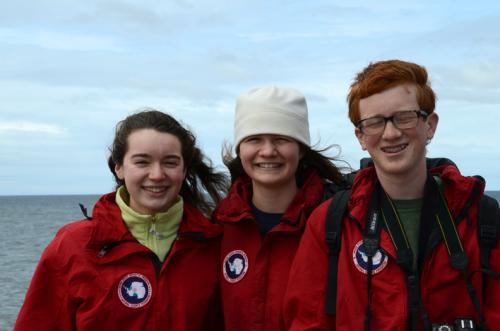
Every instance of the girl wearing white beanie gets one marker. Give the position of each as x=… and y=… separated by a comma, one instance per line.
x=277, y=180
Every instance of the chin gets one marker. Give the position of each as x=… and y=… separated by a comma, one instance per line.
x=158, y=208
x=397, y=169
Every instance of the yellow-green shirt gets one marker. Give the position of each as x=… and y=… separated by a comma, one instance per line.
x=157, y=232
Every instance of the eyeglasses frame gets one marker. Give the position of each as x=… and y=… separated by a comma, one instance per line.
x=420, y=113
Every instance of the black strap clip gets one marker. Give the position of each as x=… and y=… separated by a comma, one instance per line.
x=84, y=211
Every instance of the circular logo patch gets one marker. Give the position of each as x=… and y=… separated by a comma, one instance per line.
x=134, y=290
x=361, y=260
x=235, y=266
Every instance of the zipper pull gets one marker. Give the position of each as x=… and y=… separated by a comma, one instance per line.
x=153, y=231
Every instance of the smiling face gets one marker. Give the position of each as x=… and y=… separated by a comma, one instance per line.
x=396, y=152
x=153, y=170
x=270, y=160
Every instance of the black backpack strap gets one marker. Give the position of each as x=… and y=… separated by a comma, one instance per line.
x=438, y=161
x=334, y=216
x=488, y=228
x=487, y=232
x=456, y=253
x=345, y=183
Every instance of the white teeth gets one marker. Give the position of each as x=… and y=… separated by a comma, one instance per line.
x=155, y=189
x=394, y=149
x=268, y=165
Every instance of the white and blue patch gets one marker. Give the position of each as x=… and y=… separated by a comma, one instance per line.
x=235, y=266
x=360, y=259
x=134, y=290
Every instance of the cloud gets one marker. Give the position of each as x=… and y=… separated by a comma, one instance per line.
x=73, y=42
x=271, y=37
x=31, y=127
x=58, y=40
x=76, y=68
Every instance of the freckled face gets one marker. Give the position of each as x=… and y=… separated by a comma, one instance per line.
x=270, y=160
x=396, y=152
x=153, y=170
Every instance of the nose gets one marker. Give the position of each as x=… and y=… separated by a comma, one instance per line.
x=268, y=148
x=391, y=131
x=156, y=171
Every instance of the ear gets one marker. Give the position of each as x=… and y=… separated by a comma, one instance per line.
x=431, y=125
x=119, y=171
x=184, y=170
x=361, y=138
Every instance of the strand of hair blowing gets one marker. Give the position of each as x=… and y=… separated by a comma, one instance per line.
x=204, y=186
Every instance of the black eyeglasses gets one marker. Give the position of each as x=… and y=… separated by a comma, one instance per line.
x=404, y=119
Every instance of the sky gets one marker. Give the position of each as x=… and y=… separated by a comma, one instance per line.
x=70, y=70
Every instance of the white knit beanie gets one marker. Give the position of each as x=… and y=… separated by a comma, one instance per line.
x=271, y=110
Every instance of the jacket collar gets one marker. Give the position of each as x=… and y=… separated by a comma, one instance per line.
x=235, y=207
x=457, y=189
x=460, y=193
x=109, y=227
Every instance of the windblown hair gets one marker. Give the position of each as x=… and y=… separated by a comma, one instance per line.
x=311, y=158
x=203, y=187
x=380, y=76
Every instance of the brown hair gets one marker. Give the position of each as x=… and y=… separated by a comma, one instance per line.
x=380, y=76
x=201, y=176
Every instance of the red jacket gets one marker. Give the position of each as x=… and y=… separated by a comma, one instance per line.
x=95, y=276
x=443, y=289
x=256, y=268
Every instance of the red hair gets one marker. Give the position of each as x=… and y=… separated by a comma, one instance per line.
x=380, y=76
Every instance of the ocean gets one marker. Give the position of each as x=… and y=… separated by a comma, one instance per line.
x=28, y=223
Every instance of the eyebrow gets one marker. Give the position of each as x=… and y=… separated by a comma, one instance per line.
x=173, y=156
x=140, y=155
x=147, y=156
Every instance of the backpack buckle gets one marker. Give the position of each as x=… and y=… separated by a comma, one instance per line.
x=332, y=240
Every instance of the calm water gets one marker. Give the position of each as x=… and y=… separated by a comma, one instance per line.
x=28, y=223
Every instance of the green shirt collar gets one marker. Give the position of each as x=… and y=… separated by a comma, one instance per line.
x=158, y=231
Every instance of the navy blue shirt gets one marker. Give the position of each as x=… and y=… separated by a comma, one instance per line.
x=265, y=221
